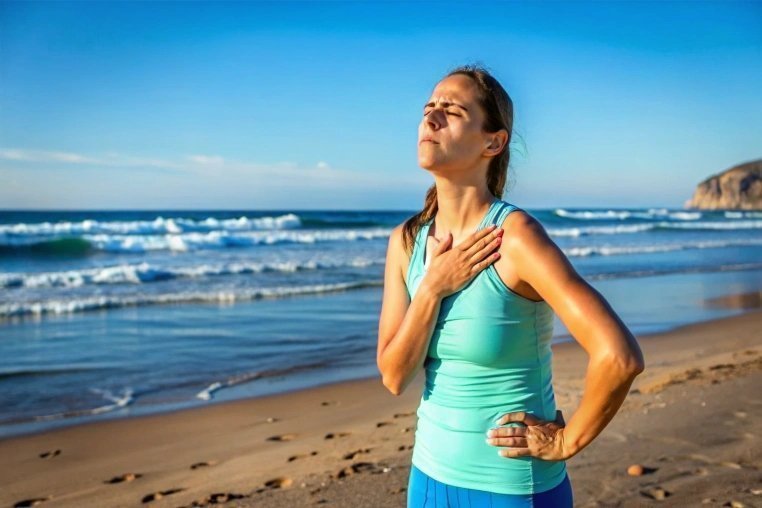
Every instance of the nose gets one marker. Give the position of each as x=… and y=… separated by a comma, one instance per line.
x=434, y=119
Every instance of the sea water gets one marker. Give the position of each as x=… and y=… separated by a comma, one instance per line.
x=111, y=314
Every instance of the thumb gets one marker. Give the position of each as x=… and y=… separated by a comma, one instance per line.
x=442, y=245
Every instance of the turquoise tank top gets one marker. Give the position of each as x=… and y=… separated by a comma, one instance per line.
x=489, y=355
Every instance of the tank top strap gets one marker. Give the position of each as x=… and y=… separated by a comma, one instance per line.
x=415, y=256
x=499, y=213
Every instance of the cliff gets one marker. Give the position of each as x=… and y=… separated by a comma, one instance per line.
x=739, y=187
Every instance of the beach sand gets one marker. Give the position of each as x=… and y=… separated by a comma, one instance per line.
x=693, y=420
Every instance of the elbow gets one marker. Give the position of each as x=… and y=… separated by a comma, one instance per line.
x=393, y=386
x=638, y=365
x=389, y=381
x=626, y=365
x=632, y=366
x=635, y=363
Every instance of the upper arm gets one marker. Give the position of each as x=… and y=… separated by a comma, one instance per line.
x=583, y=310
x=395, y=297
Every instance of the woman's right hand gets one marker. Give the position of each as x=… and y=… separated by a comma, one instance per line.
x=451, y=269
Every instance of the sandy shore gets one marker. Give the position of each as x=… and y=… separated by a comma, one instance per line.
x=693, y=420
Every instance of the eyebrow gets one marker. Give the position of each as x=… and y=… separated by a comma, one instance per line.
x=445, y=104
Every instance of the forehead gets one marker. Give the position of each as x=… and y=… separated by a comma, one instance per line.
x=458, y=88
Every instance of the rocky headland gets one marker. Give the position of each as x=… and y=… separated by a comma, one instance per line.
x=739, y=188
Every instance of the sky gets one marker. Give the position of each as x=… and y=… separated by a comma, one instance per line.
x=310, y=105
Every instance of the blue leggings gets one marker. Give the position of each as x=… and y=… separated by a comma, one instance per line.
x=425, y=491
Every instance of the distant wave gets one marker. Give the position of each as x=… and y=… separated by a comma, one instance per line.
x=670, y=271
x=75, y=304
x=63, y=247
x=145, y=273
x=23, y=245
x=362, y=221
x=158, y=226
x=614, y=250
x=654, y=226
x=742, y=213
x=179, y=242
x=652, y=213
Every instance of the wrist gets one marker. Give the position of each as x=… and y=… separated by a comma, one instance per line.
x=428, y=290
x=569, y=446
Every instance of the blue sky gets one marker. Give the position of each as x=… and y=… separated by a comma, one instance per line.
x=316, y=105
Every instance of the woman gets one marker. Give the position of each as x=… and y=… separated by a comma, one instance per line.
x=474, y=308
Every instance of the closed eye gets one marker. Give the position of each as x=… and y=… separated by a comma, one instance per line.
x=446, y=112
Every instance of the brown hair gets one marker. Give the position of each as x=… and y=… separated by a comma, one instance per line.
x=498, y=109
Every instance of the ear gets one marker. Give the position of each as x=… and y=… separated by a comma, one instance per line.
x=496, y=143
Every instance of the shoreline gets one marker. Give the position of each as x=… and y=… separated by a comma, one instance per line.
x=305, y=444
x=739, y=302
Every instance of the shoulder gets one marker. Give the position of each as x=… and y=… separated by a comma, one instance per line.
x=523, y=234
x=521, y=221
x=397, y=255
x=396, y=247
x=396, y=236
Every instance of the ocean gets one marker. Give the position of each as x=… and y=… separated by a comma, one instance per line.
x=113, y=314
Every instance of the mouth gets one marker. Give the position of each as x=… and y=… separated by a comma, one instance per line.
x=427, y=140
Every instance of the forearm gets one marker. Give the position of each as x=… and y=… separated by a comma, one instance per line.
x=406, y=352
x=607, y=384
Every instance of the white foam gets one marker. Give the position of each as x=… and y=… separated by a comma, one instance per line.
x=74, y=304
x=142, y=273
x=203, y=241
x=600, y=230
x=651, y=213
x=160, y=225
x=639, y=228
x=614, y=250
x=117, y=401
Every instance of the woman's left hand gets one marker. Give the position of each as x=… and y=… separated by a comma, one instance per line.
x=539, y=438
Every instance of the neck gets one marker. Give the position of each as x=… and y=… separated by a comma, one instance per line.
x=461, y=209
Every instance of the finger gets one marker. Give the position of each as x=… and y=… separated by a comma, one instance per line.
x=483, y=264
x=520, y=417
x=514, y=452
x=443, y=243
x=507, y=432
x=490, y=245
x=475, y=237
x=483, y=244
x=508, y=441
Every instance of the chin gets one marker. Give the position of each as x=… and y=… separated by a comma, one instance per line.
x=426, y=161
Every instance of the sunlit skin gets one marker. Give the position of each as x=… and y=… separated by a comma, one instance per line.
x=453, y=147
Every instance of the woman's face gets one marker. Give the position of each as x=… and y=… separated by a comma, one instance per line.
x=450, y=136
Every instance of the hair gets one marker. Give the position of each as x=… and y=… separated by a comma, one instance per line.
x=498, y=108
